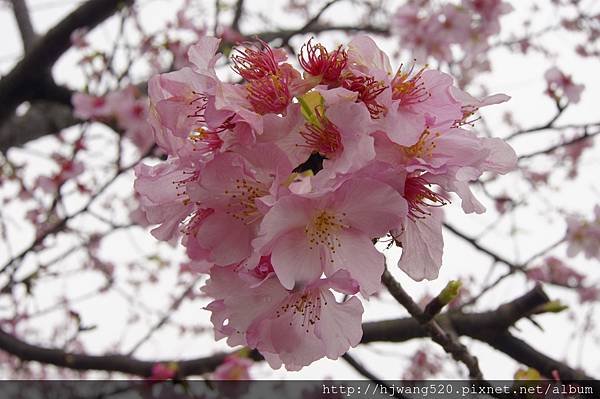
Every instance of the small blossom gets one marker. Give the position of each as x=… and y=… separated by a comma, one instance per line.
x=233, y=368
x=560, y=84
x=584, y=235
x=162, y=372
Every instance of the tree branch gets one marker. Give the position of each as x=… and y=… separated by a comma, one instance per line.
x=362, y=370
x=62, y=223
x=30, y=78
x=457, y=350
x=285, y=39
x=23, y=18
x=318, y=28
x=555, y=147
x=237, y=16
x=488, y=327
x=41, y=119
x=473, y=242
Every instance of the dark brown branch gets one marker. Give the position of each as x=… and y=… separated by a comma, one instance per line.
x=118, y=363
x=458, y=351
x=488, y=327
x=560, y=109
x=41, y=119
x=23, y=18
x=518, y=349
x=473, y=242
x=318, y=28
x=362, y=370
x=553, y=148
x=308, y=25
x=30, y=78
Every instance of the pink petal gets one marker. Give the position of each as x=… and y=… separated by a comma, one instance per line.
x=360, y=258
x=370, y=206
x=340, y=325
x=294, y=261
x=228, y=239
x=422, y=246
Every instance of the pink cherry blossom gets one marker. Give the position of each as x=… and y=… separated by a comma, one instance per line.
x=238, y=191
x=584, y=235
x=556, y=271
x=164, y=197
x=162, y=372
x=293, y=328
x=311, y=236
x=278, y=186
x=422, y=245
x=458, y=34
x=126, y=107
x=90, y=107
x=233, y=368
x=560, y=84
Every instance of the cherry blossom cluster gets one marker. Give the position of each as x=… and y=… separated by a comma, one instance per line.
x=561, y=85
x=126, y=108
x=584, y=235
x=453, y=33
x=555, y=271
x=278, y=186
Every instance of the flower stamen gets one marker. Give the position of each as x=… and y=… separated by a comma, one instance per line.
x=419, y=197
x=319, y=62
x=368, y=89
x=409, y=88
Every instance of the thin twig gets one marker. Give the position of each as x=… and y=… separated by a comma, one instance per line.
x=237, y=16
x=555, y=147
x=166, y=317
x=356, y=365
x=458, y=351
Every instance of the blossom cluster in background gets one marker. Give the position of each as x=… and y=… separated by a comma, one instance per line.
x=584, y=235
x=451, y=33
x=127, y=108
x=278, y=185
x=561, y=85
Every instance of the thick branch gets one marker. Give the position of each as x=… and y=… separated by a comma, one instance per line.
x=458, y=351
x=41, y=119
x=29, y=78
x=488, y=327
x=518, y=349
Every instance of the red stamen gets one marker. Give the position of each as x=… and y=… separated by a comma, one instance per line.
x=368, y=89
x=207, y=141
x=199, y=103
x=420, y=197
x=324, y=138
x=252, y=64
x=319, y=62
x=269, y=94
